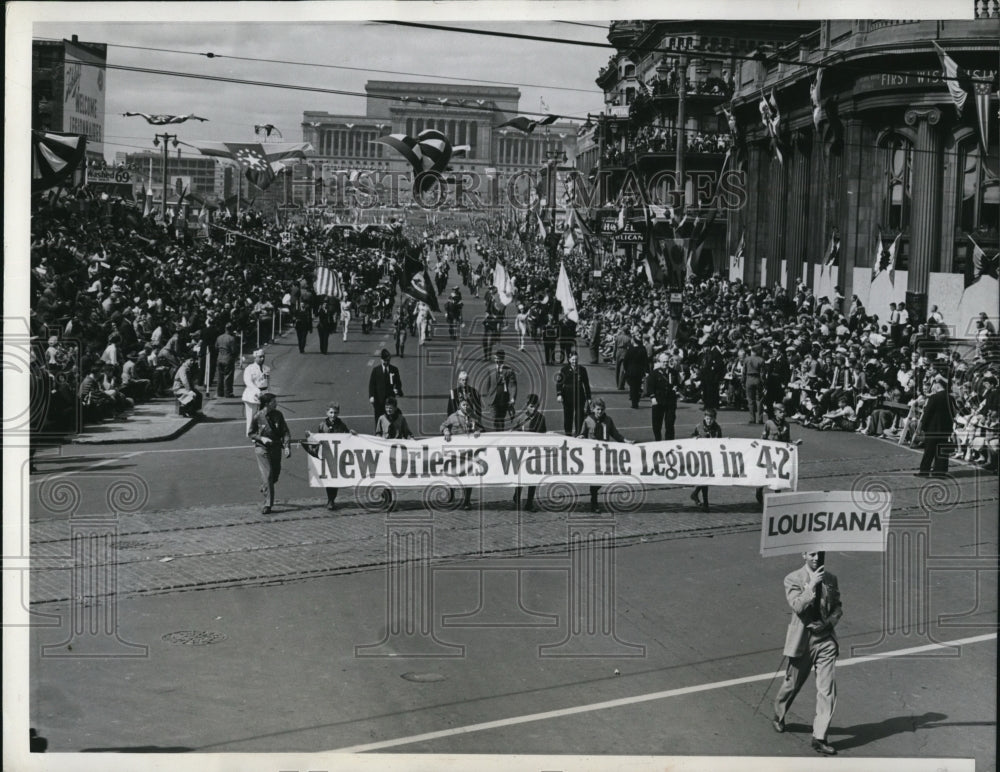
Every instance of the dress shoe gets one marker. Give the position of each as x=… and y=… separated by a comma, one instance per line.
x=696, y=498
x=265, y=510
x=778, y=724
x=704, y=505
x=921, y=474
x=821, y=746
x=331, y=506
x=529, y=507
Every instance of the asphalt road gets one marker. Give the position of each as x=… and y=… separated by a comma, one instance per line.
x=309, y=644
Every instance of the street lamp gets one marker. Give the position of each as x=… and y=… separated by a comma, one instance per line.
x=167, y=140
x=552, y=160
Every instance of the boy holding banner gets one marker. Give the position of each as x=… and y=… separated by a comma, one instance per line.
x=534, y=421
x=707, y=429
x=776, y=428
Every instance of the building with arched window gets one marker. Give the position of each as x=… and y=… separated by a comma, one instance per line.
x=868, y=142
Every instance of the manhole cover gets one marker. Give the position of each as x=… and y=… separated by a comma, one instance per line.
x=423, y=678
x=194, y=637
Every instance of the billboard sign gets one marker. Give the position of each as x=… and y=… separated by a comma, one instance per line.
x=83, y=96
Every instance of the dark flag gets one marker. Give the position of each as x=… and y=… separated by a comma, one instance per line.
x=417, y=281
x=525, y=124
x=980, y=264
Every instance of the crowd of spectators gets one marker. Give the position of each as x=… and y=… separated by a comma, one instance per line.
x=126, y=308
x=657, y=139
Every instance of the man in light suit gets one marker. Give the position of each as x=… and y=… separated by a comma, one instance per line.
x=810, y=642
x=383, y=383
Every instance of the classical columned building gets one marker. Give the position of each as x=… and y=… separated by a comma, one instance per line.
x=879, y=148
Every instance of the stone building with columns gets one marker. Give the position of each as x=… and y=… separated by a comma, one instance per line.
x=878, y=148
x=467, y=114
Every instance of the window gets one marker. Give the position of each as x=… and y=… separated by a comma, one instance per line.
x=979, y=191
x=899, y=166
x=629, y=71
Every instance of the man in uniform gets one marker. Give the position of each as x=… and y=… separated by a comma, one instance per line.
x=464, y=390
x=662, y=391
x=810, y=643
x=753, y=367
x=270, y=435
x=573, y=391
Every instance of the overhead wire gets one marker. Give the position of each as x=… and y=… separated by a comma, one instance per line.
x=760, y=57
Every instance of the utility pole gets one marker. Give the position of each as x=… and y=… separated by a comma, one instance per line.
x=166, y=155
x=679, y=161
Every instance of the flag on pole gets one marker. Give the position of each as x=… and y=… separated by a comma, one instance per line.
x=327, y=280
x=980, y=264
x=148, y=206
x=832, y=252
x=741, y=249
x=564, y=294
x=885, y=259
x=503, y=284
x=417, y=281
x=982, y=92
x=952, y=72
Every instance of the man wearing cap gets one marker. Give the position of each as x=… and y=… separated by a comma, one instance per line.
x=332, y=424
x=533, y=421
x=462, y=390
x=664, y=382
x=706, y=429
x=256, y=380
x=712, y=369
x=270, y=435
x=573, y=391
x=227, y=350
x=811, y=644
x=599, y=426
x=500, y=391
x=383, y=383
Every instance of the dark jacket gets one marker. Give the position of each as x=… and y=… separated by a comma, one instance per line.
x=636, y=361
x=937, y=418
x=382, y=386
x=573, y=386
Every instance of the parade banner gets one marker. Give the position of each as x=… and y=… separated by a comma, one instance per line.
x=519, y=458
x=831, y=521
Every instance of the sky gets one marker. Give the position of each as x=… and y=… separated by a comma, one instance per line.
x=562, y=75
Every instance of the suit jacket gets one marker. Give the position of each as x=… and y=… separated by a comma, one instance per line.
x=382, y=386
x=937, y=416
x=663, y=383
x=636, y=361
x=800, y=597
x=471, y=394
x=573, y=387
x=500, y=389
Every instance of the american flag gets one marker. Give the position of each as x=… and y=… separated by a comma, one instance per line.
x=327, y=280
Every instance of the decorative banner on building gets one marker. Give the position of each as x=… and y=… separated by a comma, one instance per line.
x=518, y=458
x=832, y=521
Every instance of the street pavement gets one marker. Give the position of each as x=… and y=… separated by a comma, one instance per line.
x=240, y=632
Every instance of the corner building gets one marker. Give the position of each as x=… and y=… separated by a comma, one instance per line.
x=885, y=152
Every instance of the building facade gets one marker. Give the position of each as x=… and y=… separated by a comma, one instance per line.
x=67, y=90
x=876, y=149
x=199, y=175
x=468, y=115
x=661, y=131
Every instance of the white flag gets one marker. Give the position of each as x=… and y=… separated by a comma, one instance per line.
x=564, y=294
x=501, y=280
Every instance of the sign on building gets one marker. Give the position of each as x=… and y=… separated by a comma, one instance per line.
x=83, y=97
x=114, y=182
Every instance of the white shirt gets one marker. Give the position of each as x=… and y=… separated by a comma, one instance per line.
x=254, y=379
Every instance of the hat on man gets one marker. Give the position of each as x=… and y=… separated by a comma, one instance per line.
x=386, y=356
x=532, y=400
